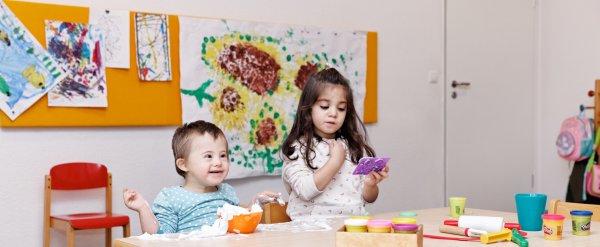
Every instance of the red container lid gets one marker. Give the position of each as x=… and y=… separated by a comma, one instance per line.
x=553, y=217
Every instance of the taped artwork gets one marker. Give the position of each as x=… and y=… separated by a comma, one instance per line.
x=114, y=25
x=152, y=42
x=27, y=70
x=247, y=78
x=78, y=49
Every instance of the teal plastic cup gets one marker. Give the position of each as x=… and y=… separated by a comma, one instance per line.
x=530, y=208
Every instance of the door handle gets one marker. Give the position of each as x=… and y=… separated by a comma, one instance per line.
x=456, y=84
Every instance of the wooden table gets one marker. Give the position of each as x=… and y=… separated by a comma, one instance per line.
x=430, y=218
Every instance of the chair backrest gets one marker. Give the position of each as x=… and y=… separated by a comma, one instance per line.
x=274, y=213
x=564, y=208
x=78, y=175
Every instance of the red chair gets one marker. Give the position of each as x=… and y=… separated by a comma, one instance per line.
x=81, y=176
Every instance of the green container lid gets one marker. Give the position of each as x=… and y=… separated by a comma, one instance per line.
x=408, y=214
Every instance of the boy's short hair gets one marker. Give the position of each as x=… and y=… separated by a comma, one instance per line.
x=181, y=142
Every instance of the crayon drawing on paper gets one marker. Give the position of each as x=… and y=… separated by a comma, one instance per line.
x=152, y=42
x=78, y=49
x=247, y=78
x=114, y=25
x=27, y=70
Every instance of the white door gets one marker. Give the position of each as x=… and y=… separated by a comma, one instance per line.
x=490, y=53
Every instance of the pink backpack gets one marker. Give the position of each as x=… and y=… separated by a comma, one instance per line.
x=575, y=140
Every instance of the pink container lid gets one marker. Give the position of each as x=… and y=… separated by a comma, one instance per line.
x=553, y=217
x=405, y=227
x=379, y=223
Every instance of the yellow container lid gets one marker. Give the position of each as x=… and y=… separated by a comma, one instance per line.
x=404, y=220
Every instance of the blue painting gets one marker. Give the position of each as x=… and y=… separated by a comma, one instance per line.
x=27, y=70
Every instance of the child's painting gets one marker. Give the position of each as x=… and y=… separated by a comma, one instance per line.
x=247, y=78
x=78, y=49
x=114, y=25
x=152, y=41
x=27, y=70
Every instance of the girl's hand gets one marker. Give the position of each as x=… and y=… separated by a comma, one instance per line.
x=133, y=200
x=267, y=197
x=337, y=151
x=375, y=178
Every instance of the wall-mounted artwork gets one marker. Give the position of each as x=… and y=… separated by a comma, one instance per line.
x=247, y=78
x=114, y=25
x=27, y=70
x=78, y=49
x=152, y=41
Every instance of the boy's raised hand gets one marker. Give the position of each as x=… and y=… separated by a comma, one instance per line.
x=133, y=200
x=375, y=178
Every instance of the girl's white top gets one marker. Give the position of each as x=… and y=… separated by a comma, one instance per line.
x=342, y=196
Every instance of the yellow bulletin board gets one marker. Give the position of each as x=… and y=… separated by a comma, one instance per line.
x=132, y=102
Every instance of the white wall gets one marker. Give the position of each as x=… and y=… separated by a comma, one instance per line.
x=569, y=65
x=410, y=127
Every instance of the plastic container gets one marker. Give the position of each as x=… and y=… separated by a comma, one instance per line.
x=405, y=228
x=581, y=222
x=244, y=223
x=356, y=225
x=404, y=220
x=380, y=226
x=552, y=226
x=530, y=208
x=457, y=206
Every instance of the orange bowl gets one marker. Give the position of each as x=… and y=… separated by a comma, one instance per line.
x=244, y=223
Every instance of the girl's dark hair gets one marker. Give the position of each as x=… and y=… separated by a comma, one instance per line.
x=302, y=132
x=182, y=139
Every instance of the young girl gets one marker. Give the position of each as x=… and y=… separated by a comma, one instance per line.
x=322, y=150
x=201, y=157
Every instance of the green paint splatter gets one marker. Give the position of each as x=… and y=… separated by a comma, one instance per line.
x=334, y=61
x=276, y=115
x=325, y=56
x=248, y=37
x=288, y=58
x=200, y=93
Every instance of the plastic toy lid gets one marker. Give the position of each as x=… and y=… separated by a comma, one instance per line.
x=581, y=213
x=379, y=223
x=408, y=214
x=355, y=222
x=361, y=217
x=405, y=227
x=553, y=217
x=404, y=220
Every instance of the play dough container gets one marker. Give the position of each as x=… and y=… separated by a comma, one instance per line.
x=379, y=226
x=581, y=222
x=552, y=226
x=244, y=223
x=356, y=225
x=405, y=228
x=404, y=220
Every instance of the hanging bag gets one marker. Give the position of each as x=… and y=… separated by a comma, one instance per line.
x=592, y=173
x=574, y=142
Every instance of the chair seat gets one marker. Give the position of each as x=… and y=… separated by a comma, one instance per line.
x=93, y=220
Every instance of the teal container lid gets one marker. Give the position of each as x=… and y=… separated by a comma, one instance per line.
x=581, y=213
x=408, y=214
